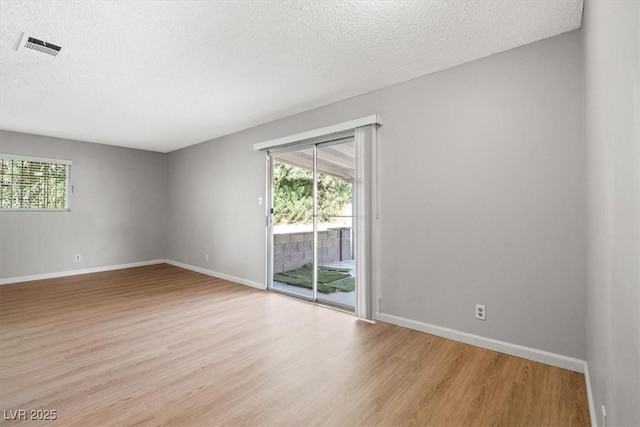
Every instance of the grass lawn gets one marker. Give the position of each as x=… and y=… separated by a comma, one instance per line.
x=330, y=279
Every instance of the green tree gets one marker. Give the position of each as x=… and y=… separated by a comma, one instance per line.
x=293, y=195
x=32, y=185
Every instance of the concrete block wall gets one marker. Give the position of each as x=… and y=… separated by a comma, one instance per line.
x=293, y=250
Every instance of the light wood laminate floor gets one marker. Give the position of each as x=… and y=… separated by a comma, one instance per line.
x=160, y=345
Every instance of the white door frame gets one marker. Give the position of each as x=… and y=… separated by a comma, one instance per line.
x=365, y=202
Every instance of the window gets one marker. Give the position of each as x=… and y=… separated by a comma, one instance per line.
x=32, y=183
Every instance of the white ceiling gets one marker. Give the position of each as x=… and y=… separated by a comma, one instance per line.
x=161, y=75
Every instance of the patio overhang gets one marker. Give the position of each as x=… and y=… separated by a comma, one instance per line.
x=335, y=160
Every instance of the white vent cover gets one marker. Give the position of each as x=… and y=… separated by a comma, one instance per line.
x=37, y=45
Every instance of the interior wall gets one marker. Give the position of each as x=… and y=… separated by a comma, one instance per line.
x=612, y=67
x=481, y=188
x=213, y=207
x=118, y=210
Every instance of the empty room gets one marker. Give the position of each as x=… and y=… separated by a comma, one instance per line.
x=328, y=213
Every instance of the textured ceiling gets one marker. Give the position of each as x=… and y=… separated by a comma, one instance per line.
x=161, y=75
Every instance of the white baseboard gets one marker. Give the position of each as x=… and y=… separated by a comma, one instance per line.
x=536, y=355
x=224, y=276
x=228, y=277
x=592, y=406
x=77, y=272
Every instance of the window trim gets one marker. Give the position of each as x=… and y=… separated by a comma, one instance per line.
x=68, y=191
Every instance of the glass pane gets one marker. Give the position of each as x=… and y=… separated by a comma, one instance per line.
x=336, y=258
x=293, y=222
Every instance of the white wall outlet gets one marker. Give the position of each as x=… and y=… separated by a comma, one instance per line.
x=206, y=257
x=481, y=312
x=259, y=200
x=78, y=257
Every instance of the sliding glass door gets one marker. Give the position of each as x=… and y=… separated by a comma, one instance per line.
x=292, y=213
x=335, y=254
x=312, y=222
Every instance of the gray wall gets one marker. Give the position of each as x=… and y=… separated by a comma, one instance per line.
x=118, y=211
x=482, y=196
x=612, y=63
x=213, y=207
x=293, y=250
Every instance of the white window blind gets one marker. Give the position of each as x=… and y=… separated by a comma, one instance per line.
x=33, y=183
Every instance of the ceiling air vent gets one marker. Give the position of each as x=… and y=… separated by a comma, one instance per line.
x=34, y=44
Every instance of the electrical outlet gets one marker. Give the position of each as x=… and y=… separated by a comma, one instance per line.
x=604, y=416
x=481, y=312
x=78, y=257
x=206, y=257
